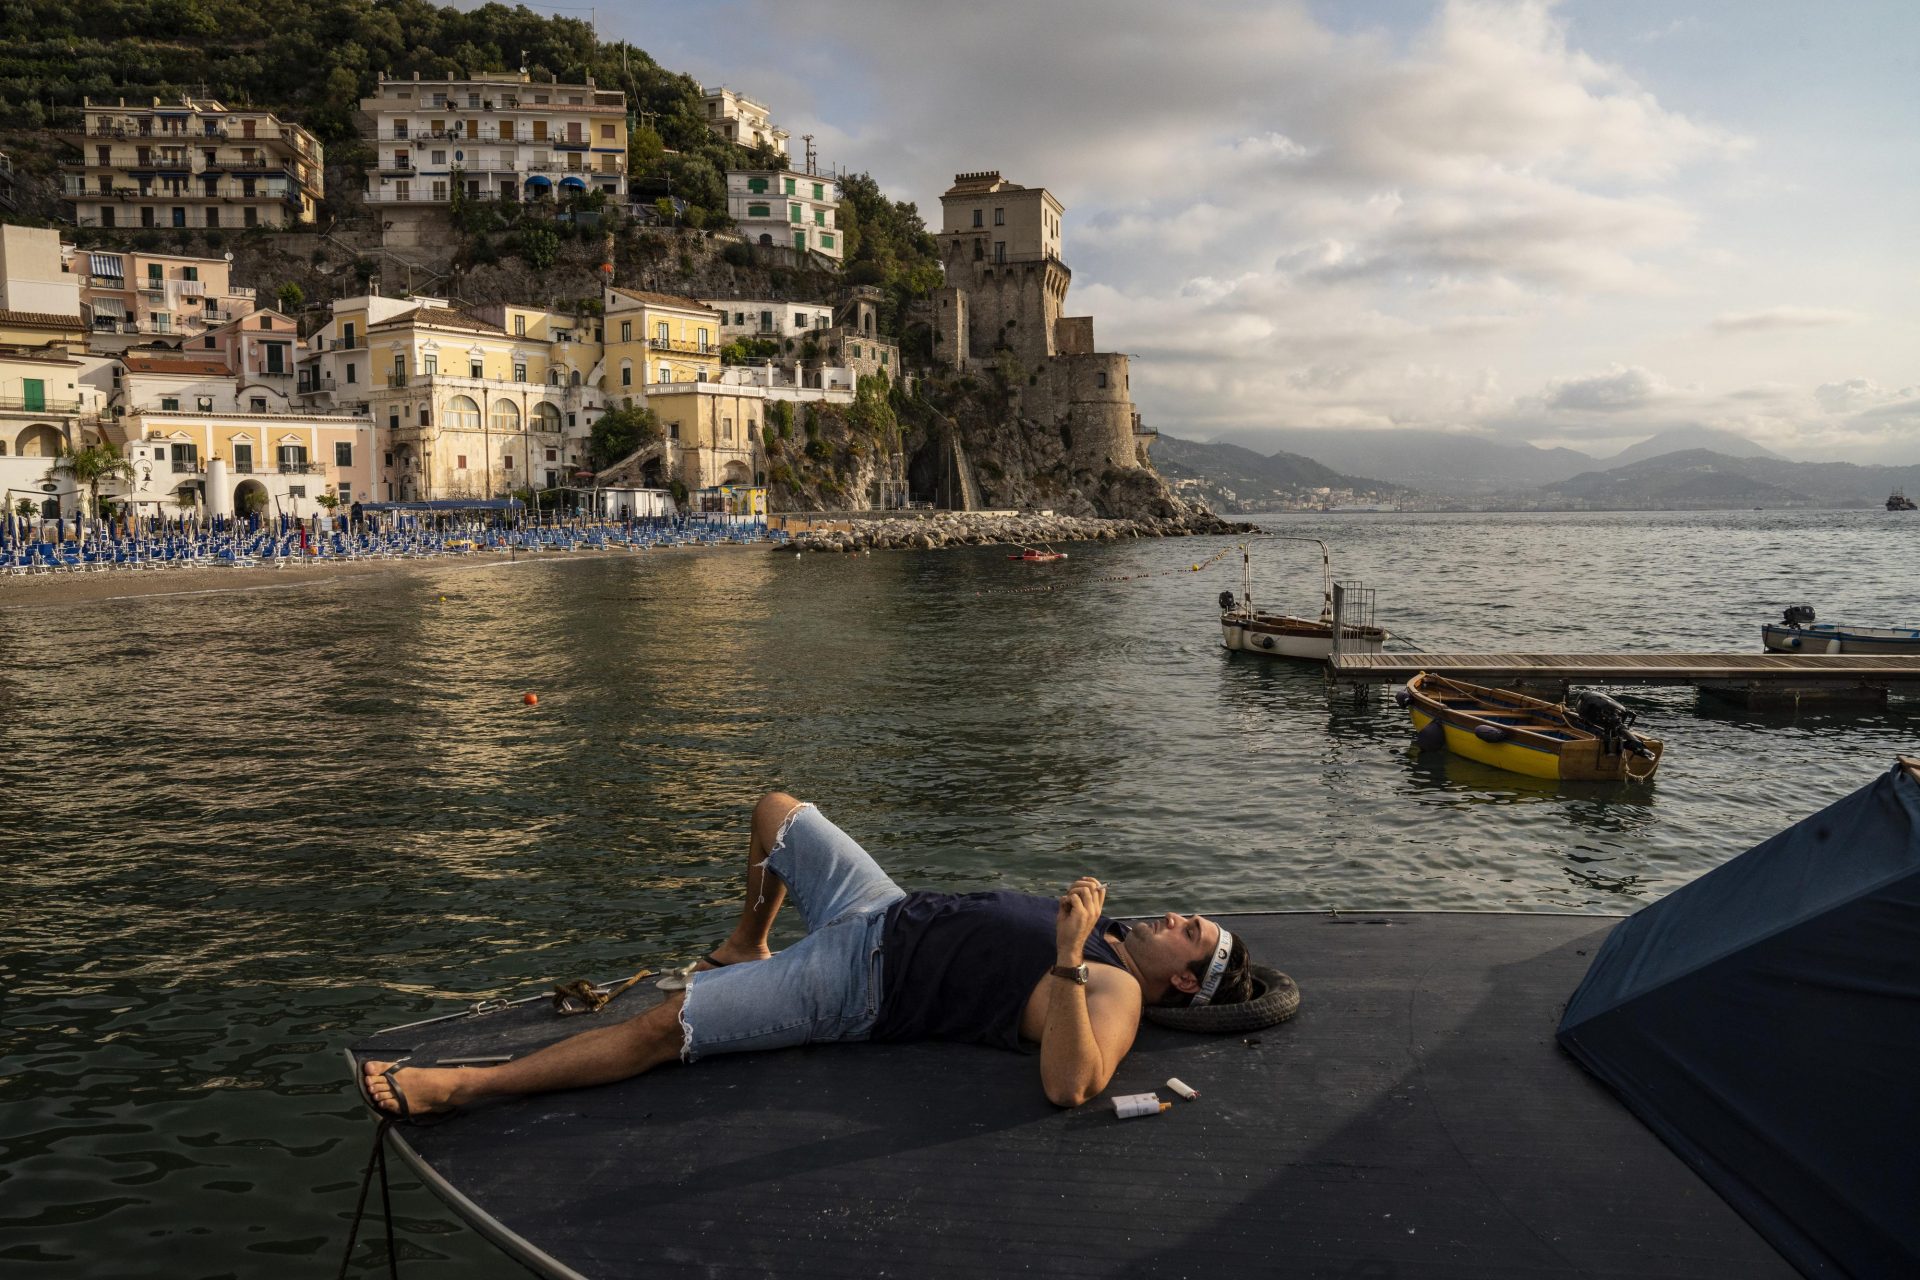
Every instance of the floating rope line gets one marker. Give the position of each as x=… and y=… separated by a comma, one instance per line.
x=1211, y=560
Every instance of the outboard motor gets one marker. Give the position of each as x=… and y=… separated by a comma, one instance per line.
x=1610, y=720
x=1798, y=615
x=1228, y=601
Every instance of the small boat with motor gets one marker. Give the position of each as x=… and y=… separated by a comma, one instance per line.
x=1899, y=501
x=1797, y=632
x=1038, y=555
x=1591, y=741
x=1245, y=629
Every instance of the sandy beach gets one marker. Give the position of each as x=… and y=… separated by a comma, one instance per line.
x=62, y=589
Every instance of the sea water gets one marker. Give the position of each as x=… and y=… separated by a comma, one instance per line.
x=243, y=829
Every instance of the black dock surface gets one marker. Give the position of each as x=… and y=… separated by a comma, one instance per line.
x=1415, y=1119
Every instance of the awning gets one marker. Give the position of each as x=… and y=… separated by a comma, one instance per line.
x=539, y=183
x=105, y=264
x=104, y=308
x=573, y=184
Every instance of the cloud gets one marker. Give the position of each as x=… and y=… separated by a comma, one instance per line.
x=1772, y=318
x=1286, y=220
x=1610, y=392
x=1850, y=396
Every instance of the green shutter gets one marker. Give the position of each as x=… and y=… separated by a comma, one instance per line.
x=826, y=240
x=819, y=192
x=34, y=393
x=819, y=217
x=759, y=211
x=756, y=184
x=793, y=214
x=799, y=239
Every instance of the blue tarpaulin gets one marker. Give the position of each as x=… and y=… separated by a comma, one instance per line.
x=1764, y=1021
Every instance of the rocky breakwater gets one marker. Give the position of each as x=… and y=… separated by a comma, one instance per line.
x=971, y=529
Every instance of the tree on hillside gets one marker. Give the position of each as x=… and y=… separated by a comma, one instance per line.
x=618, y=432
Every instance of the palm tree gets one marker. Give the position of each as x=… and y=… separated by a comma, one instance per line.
x=90, y=465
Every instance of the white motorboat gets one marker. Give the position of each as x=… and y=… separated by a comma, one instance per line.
x=1797, y=632
x=1246, y=629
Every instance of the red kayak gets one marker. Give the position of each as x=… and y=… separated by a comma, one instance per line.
x=1039, y=557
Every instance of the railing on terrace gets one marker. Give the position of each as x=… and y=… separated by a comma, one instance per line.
x=40, y=405
x=301, y=468
x=682, y=346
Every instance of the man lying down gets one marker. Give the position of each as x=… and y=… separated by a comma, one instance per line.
x=879, y=963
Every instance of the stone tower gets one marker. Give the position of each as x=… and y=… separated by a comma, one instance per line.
x=1004, y=297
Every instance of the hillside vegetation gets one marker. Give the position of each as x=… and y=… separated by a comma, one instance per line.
x=313, y=60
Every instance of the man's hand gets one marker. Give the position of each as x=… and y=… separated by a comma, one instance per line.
x=1080, y=908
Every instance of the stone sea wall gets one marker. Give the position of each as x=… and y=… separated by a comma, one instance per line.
x=966, y=529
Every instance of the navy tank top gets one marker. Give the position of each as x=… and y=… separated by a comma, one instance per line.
x=960, y=966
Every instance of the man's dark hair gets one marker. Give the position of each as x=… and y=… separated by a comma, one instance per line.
x=1236, y=982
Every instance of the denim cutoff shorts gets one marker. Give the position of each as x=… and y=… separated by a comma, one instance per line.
x=824, y=987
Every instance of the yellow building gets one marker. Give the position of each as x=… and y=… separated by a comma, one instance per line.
x=193, y=163
x=655, y=340
x=471, y=410
x=712, y=431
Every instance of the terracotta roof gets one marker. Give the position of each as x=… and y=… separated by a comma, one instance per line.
x=42, y=319
x=663, y=299
x=440, y=318
x=172, y=364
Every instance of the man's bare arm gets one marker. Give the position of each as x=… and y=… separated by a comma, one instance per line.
x=1089, y=1028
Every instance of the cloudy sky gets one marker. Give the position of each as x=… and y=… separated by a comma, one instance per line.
x=1577, y=223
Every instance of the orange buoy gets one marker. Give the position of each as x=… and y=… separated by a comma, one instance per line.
x=531, y=699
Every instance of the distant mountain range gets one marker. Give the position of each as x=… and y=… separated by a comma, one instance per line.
x=1441, y=462
x=1687, y=468
x=1256, y=481
x=1704, y=478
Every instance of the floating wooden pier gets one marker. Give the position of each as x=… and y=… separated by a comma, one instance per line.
x=1807, y=672
x=1750, y=677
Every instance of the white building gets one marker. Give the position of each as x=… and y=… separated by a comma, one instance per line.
x=498, y=135
x=778, y=207
x=769, y=317
x=739, y=119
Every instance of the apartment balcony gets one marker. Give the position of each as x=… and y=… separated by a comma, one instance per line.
x=301, y=468
x=39, y=405
x=399, y=169
x=681, y=347
x=570, y=144
x=397, y=380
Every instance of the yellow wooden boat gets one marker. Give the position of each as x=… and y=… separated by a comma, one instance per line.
x=1593, y=741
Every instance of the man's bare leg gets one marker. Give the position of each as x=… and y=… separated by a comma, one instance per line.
x=765, y=892
x=605, y=1054
x=600, y=1056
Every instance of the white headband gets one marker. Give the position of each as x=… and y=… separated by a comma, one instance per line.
x=1214, y=970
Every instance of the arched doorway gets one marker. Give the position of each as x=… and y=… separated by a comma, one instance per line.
x=38, y=441
x=250, y=498
x=737, y=473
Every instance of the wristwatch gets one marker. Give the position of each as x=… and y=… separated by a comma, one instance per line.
x=1071, y=972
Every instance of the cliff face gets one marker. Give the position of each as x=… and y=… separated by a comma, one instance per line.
x=967, y=446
